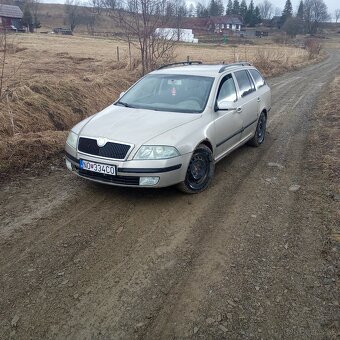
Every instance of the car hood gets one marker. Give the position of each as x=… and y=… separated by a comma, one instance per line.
x=133, y=126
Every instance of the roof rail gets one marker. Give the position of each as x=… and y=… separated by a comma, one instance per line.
x=180, y=63
x=240, y=63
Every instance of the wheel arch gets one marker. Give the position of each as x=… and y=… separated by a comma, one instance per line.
x=208, y=144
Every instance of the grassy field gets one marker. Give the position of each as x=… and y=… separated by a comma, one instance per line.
x=54, y=81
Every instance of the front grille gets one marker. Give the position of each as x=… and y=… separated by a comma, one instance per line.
x=123, y=180
x=109, y=150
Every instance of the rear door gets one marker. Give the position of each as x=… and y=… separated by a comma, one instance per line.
x=248, y=103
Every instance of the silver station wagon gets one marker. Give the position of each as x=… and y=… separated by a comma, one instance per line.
x=172, y=127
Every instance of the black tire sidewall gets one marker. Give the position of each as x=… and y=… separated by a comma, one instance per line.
x=204, y=150
x=264, y=129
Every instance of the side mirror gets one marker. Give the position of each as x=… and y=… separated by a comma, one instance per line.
x=226, y=105
x=121, y=95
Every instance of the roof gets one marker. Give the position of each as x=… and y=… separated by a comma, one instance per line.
x=201, y=69
x=10, y=11
x=196, y=23
x=276, y=18
x=226, y=19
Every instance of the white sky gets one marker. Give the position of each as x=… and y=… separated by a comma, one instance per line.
x=331, y=4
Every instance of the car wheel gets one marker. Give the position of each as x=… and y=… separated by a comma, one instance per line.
x=200, y=171
x=260, y=132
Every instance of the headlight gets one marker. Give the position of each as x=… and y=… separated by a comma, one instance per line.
x=156, y=152
x=72, y=139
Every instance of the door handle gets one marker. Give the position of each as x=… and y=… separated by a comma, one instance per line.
x=258, y=99
x=239, y=110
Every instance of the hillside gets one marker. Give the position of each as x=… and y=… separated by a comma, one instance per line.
x=53, y=15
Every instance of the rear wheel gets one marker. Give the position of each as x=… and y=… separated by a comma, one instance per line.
x=200, y=171
x=260, y=132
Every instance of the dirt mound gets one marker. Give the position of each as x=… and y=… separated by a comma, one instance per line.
x=36, y=115
x=41, y=105
x=24, y=150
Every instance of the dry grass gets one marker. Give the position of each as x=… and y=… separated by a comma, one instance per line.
x=325, y=146
x=273, y=56
x=327, y=135
x=23, y=150
x=55, y=81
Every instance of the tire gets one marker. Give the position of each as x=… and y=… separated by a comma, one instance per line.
x=260, y=132
x=200, y=171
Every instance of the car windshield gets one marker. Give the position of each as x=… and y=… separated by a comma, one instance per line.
x=174, y=93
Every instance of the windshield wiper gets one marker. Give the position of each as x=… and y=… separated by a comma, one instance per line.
x=124, y=104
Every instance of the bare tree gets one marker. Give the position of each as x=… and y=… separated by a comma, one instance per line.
x=88, y=18
x=179, y=12
x=112, y=5
x=337, y=15
x=96, y=5
x=293, y=26
x=266, y=9
x=277, y=11
x=3, y=56
x=72, y=12
x=138, y=22
x=315, y=12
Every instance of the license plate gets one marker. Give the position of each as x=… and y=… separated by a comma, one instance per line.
x=96, y=167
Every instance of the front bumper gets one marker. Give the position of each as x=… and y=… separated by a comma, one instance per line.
x=130, y=172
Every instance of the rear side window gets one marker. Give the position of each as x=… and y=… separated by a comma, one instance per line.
x=244, y=83
x=259, y=81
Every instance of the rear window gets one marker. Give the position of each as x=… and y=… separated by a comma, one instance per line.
x=244, y=83
x=259, y=81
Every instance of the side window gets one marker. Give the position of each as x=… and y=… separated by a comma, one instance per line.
x=259, y=81
x=244, y=83
x=227, y=90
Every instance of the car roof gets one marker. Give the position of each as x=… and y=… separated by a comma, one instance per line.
x=202, y=69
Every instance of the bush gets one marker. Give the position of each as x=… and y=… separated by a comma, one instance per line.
x=313, y=47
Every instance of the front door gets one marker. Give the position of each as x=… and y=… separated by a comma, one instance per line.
x=228, y=123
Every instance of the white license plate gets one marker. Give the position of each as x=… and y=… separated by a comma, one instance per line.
x=96, y=167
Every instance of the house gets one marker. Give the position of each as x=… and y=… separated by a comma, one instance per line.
x=224, y=23
x=10, y=17
x=276, y=21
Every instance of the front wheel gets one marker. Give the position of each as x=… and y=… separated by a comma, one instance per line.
x=260, y=132
x=200, y=171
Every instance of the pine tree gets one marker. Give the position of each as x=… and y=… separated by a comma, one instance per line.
x=257, y=15
x=216, y=8
x=300, y=10
x=287, y=11
x=236, y=7
x=250, y=16
x=229, y=7
x=201, y=11
x=243, y=10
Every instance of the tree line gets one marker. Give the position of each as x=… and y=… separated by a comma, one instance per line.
x=308, y=18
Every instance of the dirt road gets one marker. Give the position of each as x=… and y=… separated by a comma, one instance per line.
x=247, y=258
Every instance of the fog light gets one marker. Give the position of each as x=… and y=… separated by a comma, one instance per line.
x=148, y=181
x=68, y=165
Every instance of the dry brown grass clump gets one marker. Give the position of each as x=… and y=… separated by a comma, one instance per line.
x=23, y=150
x=272, y=60
x=40, y=105
x=326, y=135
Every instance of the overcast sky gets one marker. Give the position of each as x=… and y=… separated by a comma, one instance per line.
x=331, y=4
